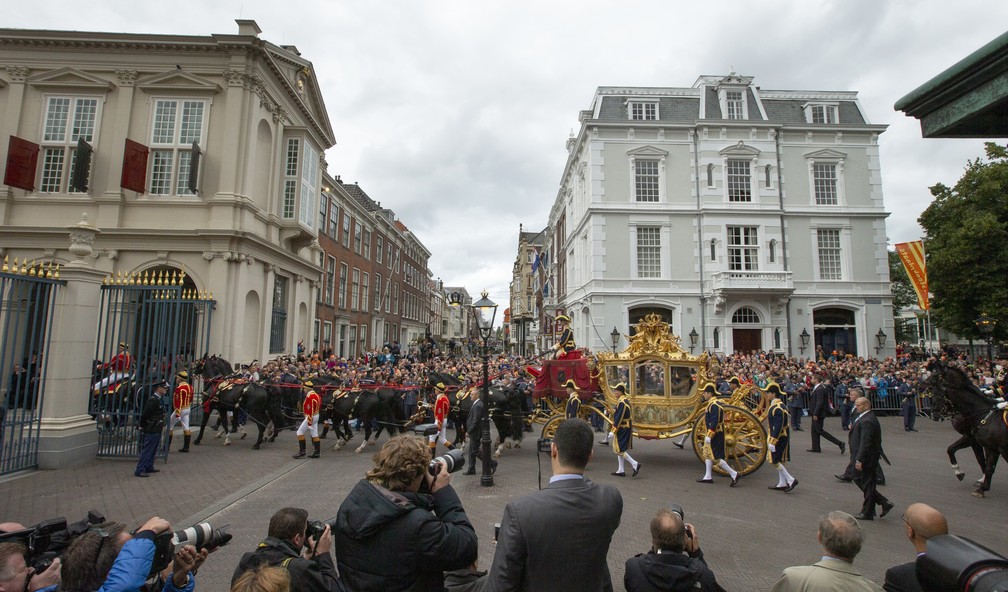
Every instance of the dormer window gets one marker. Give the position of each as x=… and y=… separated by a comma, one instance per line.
x=734, y=106
x=643, y=110
x=821, y=113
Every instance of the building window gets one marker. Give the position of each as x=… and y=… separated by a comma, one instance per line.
x=363, y=338
x=326, y=335
x=278, y=320
x=713, y=249
x=710, y=175
x=717, y=337
x=366, y=249
x=379, y=246
x=829, y=253
x=766, y=174
x=745, y=316
x=643, y=110
x=358, y=231
x=346, y=230
x=739, y=189
x=646, y=180
x=323, y=207
x=354, y=289
x=309, y=184
x=733, y=104
x=67, y=120
x=333, y=225
x=824, y=183
x=353, y=341
x=364, y=294
x=743, y=250
x=177, y=125
x=388, y=257
x=377, y=291
x=342, y=285
x=290, y=177
x=395, y=298
x=330, y=279
x=773, y=251
x=648, y=251
x=822, y=113
x=387, y=296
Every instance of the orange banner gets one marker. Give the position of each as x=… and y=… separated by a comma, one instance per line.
x=912, y=256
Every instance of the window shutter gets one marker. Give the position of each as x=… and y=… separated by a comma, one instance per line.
x=82, y=166
x=194, y=168
x=134, y=170
x=22, y=161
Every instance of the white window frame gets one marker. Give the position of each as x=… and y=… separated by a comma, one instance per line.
x=664, y=239
x=744, y=103
x=310, y=182
x=58, y=149
x=177, y=147
x=366, y=248
x=649, y=154
x=292, y=160
x=817, y=236
x=745, y=240
x=346, y=229
x=642, y=110
x=342, y=285
x=365, y=293
x=330, y=280
x=728, y=162
x=379, y=247
x=358, y=236
x=647, y=184
x=378, y=292
x=354, y=288
x=827, y=157
x=830, y=113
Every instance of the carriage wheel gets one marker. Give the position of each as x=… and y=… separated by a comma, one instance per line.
x=549, y=430
x=555, y=405
x=745, y=440
x=753, y=399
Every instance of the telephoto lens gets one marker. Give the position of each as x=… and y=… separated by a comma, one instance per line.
x=453, y=461
x=201, y=536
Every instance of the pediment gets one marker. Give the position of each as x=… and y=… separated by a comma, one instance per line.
x=69, y=78
x=647, y=151
x=177, y=80
x=826, y=154
x=740, y=149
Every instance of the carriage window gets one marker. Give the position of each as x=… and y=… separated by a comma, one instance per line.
x=680, y=381
x=650, y=379
x=616, y=375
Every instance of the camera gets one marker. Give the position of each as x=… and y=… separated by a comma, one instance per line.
x=201, y=536
x=543, y=444
x=453, y=461
x=426, y=429
x=317, y=527
x=677, y=509
x=48, y=539
x=957, y=563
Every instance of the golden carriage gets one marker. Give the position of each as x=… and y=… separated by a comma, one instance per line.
x=663, y=383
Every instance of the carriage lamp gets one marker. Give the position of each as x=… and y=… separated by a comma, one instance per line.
x=615, y=335
x=484, y=312
x=881, y=338
x=804, y=340
x=985, y=324
x=693, y=337
x=454, y=299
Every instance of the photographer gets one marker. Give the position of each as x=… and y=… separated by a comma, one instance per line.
x=109, y=559
x=390, y=536
x=287, y=544
x=675, y=561
x=17, y=576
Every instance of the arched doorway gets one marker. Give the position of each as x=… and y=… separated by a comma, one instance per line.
x=835, y=329
x=746, y=339
x=638, y=313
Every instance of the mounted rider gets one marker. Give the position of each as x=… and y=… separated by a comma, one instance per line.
x=118, y=367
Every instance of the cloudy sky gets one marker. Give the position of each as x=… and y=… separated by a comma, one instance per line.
x=454, y=114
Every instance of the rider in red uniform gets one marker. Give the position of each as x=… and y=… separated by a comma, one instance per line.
x=118, y=367
x=312, y=404
x=181, y=403
x=441, y=407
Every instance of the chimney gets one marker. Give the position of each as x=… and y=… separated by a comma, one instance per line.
x=248, y=27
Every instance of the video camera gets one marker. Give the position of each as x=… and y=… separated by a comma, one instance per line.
x=201, y=536
x=48, y=539
x=954, y=563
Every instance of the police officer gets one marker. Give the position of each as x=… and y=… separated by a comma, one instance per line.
x=182, y=400
x=714, y=445
x=152, y=421
x=622, y=431
x=312, y=404
x=778, y=441
x=573, y=400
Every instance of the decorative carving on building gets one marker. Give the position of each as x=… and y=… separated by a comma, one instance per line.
x=82, y=238
x=209, y=255
x=18, y=74
x=234, y=77
x=126, y=77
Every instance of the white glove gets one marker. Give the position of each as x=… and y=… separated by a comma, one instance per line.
x=706, y=440
x=772, y=447
x=1002, y=404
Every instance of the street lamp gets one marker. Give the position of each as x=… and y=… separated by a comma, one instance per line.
x=804, y=340
x=985, y=324
x=880, y=337
x=615, y=335
x=484, y=311
x=693, y=337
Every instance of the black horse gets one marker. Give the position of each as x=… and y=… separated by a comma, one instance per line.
x=369, y=405
x=960, y=424
x=257, y=402
x=214, y=370
x=954, y=390
x=509, y=414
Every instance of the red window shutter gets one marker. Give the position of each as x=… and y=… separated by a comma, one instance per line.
x=22, y=161
x=134, y=170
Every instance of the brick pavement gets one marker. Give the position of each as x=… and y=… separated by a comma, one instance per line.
x=748, y=533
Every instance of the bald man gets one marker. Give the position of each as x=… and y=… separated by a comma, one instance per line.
x=922, y=523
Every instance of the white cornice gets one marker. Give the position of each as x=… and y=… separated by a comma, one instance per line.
x=177, y=80
x=69, y=78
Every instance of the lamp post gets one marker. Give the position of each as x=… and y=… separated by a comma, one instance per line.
x=880, y=337
x=615, y=335
x=985, y=324
x=693, y=337
x=484, y=312
x=804, y=340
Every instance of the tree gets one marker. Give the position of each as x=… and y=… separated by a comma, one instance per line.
x=966, y=240
x=903, y=297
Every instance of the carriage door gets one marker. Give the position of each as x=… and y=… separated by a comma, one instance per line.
x=164, y=323
x=746, y=339
x=27, y=298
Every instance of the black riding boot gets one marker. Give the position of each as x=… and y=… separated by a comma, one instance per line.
x=301, y=449
x=318, y=448
x=185, y=443
x=325, y=431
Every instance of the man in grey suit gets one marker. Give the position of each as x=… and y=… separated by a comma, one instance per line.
x=558, y=538
x=840, y=536
x=474, y=432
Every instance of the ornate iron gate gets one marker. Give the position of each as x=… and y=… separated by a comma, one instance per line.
x=27, y=300
x=151, y=325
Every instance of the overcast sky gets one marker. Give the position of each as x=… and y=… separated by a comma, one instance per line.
x=455, y=114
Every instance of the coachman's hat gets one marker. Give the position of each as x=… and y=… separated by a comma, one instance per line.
x=710, y=389
x=570, y=384
x=440, y=386
x=620, y=387
x=183, y=374
x=307, y=384
x=563, y=318
x=123, y=345
x=774, y=388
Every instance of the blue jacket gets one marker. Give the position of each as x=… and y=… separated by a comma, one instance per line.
x=129, y=572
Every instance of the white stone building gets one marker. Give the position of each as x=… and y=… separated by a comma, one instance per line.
x=742, y=215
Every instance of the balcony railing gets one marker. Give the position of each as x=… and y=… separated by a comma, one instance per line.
x=774, y=281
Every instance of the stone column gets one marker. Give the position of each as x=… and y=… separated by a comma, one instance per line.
x=68, y=434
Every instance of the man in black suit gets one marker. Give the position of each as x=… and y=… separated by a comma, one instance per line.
x=922, y=523
x=821, y=394
x=543, y=533
x=848, y=475
x=867, y=432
